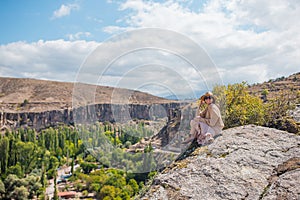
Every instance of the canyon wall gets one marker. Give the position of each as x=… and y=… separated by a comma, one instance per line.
x=87, y=114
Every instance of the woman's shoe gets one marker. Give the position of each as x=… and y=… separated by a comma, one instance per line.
x=209, y=138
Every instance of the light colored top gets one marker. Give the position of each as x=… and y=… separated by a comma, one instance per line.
x=211, y=115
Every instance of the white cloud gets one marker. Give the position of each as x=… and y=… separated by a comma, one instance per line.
x=64, y=10
x=53, y=60
x=115, y=29
x=95, y=19
x=242, y=73
x=235, y=33
x=146, y=58
x=79, y=35
x=249, y=40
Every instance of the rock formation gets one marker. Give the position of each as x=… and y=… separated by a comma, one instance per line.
x=296, y=113
x=91, y=113
x=40, y=104
x=248, y=162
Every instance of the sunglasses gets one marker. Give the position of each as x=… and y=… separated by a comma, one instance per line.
x=209, y=97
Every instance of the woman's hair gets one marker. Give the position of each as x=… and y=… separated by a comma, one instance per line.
x=210, y=97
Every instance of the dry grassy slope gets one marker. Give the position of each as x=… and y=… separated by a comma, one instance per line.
x=289, y=85
x=51, y=95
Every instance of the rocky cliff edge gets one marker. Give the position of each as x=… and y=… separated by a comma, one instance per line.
x=248, y=162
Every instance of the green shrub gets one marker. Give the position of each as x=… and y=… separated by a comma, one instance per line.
x=276, y=113
x=238, y=107
x=25, y=102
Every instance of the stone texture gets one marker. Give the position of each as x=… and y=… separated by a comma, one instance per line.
x=296, y=113
x=248, y=162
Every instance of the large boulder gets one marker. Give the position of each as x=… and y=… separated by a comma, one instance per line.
x=248, y=162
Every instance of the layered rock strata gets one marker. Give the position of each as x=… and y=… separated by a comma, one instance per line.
x=87, y=114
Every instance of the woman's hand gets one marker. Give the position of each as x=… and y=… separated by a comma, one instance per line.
x=202, y=102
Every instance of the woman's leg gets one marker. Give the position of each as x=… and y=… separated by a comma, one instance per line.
x=195, y=130
x=201, y=136
x=210, y=135
x=206, y=135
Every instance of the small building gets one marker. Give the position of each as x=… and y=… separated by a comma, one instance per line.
x=67, y=195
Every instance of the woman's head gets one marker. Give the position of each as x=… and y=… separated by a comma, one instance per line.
x=208, y=98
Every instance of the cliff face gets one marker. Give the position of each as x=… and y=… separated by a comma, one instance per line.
x=40, y=104
x=92, y=113
x=248, y=162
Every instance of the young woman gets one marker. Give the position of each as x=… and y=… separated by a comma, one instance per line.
x=208, y=123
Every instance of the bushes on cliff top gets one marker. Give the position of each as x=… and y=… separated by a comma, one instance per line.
x=238, y=107
x=276, y=113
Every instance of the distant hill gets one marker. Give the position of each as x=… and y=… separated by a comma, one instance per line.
x=23, y=94
x=185, y=97
x=289, y=85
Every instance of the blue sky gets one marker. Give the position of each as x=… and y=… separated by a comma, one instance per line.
x=35, y=20
x=251, y=41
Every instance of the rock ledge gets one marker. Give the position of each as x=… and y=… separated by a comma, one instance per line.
x=248, y=162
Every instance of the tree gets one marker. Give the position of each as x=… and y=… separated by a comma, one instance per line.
x=12, y=160
x=53, y=163
x=20, y=193
x=4, y=152
x=17, y=170
x=10, y=183
x=95, y=187
x=87, y=167
x=27, y=155
x=25, y=102
x=116, y=180
x=2, y=189
x=264, y=94
x=72, y=165
x=127, y=144
x=107, y=191
x=134, y=185
x=41, y=139
x=33, y=185
x=55, y=197
x=276, y=115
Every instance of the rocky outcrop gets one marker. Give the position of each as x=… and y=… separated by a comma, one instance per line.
x=35, y=120
x=248, y=162
x=296, y=113
x=91, y=113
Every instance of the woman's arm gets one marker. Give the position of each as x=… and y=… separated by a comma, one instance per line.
x=214, y=115
x=203, y=113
